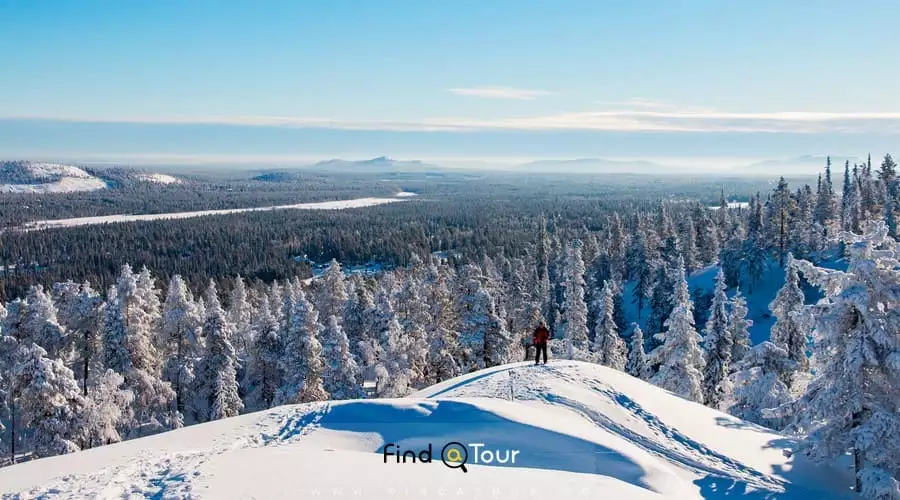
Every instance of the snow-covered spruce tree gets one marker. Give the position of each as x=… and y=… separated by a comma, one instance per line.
x=130, y=320
x=11, y=322
x=108, y=406
x=543, y=291
x=688, y=242
x=680, y=358
x=181, y=346
x=851, y=404
x=660, y=300
x=755, y=247
x=392, y=373
x=791, y=330
x=719, y=346
x=240, y=315
x=341, y=376
x=79, y=312
x=264, y=375
x=41, y=326
x=641, y=270
x=708, y=243
x=359, y=317
x=739, y=327
x=218, y=389
x=413, y=315
x=637, y=358
x=616, y=248
x=301, y=360
x=731, y=257
x=608, y=346
x=758, y=384
x=575, y=331
x=48, y=402
x=332, y=293
x=441, y=331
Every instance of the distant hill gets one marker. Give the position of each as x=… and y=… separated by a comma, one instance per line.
x=380, y=164
x=40, y=177
x=594, y=165
x=799, y=165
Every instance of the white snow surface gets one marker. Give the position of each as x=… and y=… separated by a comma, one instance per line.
x=109, y=219
x=158, y=178
x=582, y=431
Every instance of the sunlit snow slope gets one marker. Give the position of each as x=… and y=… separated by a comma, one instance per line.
x=583, y=431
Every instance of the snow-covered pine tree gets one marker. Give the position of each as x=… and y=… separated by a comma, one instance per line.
x=359, y=317
x=719, y=346
x=301, y=360
x=739, y=327
x=79, y=311
x=543, y=290
x=680, y=358
x=575, y=331
x=41, y=326
x=392, y=373
x=218, y=389
x=48, y=402
x=758, y=384
x=637, y=358
x=332, y=294
x=791, y=330
x=264, y=375
x=130, y=321
x=181, y=345
x=851, y=404
x=107, y=408
x=608, y=346
x=341, y=379
x=240, y=315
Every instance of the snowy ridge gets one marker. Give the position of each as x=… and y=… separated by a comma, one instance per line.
x=581, y=428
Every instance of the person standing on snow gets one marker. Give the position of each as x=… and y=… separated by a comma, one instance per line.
x=540, y=338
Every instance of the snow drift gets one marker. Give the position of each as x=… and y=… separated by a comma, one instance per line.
x=582, y=431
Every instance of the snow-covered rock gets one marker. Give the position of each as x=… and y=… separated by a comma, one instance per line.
x=581, y=430
x=38, y=177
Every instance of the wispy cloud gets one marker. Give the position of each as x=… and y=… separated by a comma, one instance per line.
x=500, y=93
x=627, y=120
x=636, y=102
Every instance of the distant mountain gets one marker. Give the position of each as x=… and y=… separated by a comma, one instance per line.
x=40, y=177
x=594, y=165
x=380, y=164
x=799, y=165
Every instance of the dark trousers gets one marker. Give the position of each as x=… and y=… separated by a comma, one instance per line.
x=538, y=349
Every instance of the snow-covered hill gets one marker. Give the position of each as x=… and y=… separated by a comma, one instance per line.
x=582, y=431
x=37, y=177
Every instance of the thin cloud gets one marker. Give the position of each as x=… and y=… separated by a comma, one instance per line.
x=636, y=102
x=500, y=93
x=607, y=120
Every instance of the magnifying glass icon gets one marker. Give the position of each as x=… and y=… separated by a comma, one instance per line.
x=455, y=455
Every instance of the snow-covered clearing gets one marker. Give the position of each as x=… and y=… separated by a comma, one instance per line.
x=109, y=219
x=158, y=178
x=582, y=431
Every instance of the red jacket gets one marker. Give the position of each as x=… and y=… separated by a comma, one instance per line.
x=541, y=335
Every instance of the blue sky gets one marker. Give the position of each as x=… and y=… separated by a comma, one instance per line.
x=488, y=78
